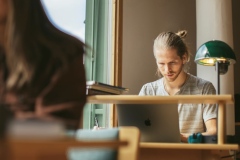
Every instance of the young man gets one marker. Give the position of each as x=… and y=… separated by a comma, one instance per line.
x=171, y=54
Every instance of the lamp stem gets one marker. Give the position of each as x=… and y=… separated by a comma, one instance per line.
x=218, y=91
x=218, y=77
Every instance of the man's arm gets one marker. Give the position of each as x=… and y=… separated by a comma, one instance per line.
x=211, y=126
x=211, y=129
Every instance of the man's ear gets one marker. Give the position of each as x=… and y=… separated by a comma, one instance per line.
x=184, y=58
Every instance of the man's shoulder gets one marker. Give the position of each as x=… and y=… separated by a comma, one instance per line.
x=153, y=88
x=154, y=83
x=199, y=85
x=198, y=80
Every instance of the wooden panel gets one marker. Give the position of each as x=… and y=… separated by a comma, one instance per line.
x=190, y=146
x=116, y=74
x=135, y=99
x=169, y=154
x=51, y=149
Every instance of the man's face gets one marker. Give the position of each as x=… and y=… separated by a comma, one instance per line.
x=169, y=63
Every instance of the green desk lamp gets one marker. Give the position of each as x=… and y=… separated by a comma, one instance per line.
x=216, y=53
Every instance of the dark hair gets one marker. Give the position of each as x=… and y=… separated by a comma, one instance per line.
x=35, y=48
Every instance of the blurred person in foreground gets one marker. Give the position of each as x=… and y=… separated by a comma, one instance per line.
x=42, y=74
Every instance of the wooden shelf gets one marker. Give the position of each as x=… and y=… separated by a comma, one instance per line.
x=189, y=146
x=221, y=100
x=135, y=99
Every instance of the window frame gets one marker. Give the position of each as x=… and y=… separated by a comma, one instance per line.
x=117, y=21
x=96, y=62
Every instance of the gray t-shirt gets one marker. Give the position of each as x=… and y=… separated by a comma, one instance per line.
x=191, y=116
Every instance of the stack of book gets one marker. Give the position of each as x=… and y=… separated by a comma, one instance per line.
x=97, y=88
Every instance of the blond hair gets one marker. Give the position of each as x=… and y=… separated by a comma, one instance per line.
x=171, y=40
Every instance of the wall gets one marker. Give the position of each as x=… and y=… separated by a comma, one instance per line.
x=143, y=20
x=236, y=43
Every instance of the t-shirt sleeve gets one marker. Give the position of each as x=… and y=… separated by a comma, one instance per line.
x=210, y=110
x=143, y=91
x=209, y=89
x=147, y=89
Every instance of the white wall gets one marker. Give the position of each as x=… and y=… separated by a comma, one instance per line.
x=143, y=20
x=217, y=14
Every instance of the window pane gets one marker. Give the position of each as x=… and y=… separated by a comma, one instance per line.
x=68, y=16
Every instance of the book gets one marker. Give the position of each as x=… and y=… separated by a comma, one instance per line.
x=99, y=87
x=90, y=92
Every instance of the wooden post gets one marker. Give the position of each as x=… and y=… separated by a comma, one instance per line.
x=221, y=123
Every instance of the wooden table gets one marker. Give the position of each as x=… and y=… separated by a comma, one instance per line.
x=152, y=151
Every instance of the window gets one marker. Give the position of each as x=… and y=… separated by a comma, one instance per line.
x=91, y=22
x=68, y=16
x=97, y=62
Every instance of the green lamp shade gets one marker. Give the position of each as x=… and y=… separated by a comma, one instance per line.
x=212, y=51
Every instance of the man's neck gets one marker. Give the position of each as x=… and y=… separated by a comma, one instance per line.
x=174, y=87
